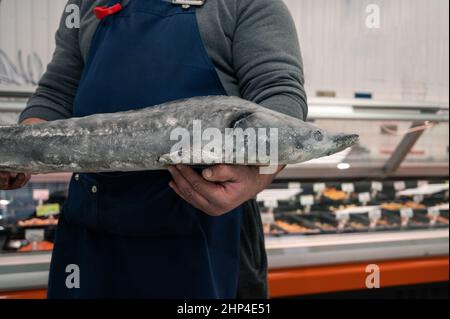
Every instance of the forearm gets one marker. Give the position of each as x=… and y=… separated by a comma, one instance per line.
x=53, y=99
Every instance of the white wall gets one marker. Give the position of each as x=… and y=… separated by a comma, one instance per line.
x=27, y=30
x=407, y=58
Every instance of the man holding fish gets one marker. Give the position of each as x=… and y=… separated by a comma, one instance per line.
x=181, y=233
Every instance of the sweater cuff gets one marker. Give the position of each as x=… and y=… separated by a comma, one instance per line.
x=41, y=112
x=287, y=105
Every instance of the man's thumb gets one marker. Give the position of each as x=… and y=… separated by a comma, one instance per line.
x=219, y=173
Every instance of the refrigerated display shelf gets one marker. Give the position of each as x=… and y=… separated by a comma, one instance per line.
x=299, y=251
x=320, y=257
x=29, y=271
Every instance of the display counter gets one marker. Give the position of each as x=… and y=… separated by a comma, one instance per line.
x=23, y=271
x=383, y=203
x=299, y=265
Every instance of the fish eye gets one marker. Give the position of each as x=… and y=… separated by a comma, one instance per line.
x=299, y=145
x=318, y=136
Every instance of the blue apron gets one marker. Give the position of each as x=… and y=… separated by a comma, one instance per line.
x=129, y=234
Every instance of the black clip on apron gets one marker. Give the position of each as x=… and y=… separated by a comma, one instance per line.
x=130, y=235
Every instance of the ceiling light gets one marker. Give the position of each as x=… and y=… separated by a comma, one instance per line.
x=343, y=166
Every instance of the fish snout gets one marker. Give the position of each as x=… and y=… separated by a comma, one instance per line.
x=343, y=141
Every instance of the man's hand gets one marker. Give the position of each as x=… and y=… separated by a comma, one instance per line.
x=9, y=181
x=221, y=188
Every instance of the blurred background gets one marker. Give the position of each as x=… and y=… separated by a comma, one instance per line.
x=379, y=68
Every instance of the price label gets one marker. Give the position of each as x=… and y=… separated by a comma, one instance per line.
x=35, y=234
x=418, y=198
x=47, y=210
x=377, y=186
x=407, y=213
x=267, y=218
x=294, y=185
x=375, y=214
x=41, y=194
x=422, y=183
x=343, y=216
x=319, y=187
x=272, y=203
x=307, y=200
x=364, y=197
x=434, y=212
x=399, y=186
x=348, y=187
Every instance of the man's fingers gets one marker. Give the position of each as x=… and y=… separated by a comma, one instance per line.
x=183, y=185
x=221, y=173
x=4, y=180
x=9, y=181
x=195, y=200
x=198, y=183
x=19, y=181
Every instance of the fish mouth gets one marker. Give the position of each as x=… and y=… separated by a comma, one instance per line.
x=234, y=123
x=343, y=141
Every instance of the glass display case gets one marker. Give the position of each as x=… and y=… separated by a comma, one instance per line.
x=408, y=140
x=384, y=199
x=28, y=216
x=350, y=221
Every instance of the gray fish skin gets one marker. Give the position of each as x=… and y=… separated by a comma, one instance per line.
x=140, y=140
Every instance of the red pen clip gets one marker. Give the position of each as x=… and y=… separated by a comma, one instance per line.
x=101, y=12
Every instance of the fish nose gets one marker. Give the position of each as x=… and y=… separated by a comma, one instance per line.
x=345, y=140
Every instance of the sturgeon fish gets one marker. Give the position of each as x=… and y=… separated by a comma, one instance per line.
x=143, y=139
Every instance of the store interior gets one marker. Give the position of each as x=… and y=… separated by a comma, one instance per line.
x=381, y=207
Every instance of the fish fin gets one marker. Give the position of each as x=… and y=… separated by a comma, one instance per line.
x=170, y=158
x=177, y=157
x=190, y=157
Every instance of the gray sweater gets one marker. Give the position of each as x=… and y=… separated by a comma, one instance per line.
x=254, y=48
x=253, y=45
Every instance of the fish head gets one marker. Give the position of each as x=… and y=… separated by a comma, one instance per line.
x=298, y=141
